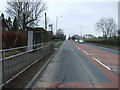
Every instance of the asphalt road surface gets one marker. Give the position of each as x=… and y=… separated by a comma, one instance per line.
x=72, y=68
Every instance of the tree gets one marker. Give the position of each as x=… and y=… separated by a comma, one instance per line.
x=69, y=37
x=60, y=34
x=27, y=13
x=15, y=24
x=118, y=32
x=9, y=22
x=73, y=37
x=89, y=36
x=107, y=26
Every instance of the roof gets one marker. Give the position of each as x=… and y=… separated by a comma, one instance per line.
x=37, y=29
x=4, y=23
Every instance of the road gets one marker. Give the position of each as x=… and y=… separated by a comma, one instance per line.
x=73, y=67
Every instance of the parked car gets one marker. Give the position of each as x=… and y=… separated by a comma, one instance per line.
x=81, y=41
x=76, y=40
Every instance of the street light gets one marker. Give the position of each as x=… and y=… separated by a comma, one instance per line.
x=57, y=22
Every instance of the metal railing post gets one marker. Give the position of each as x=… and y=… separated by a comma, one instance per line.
x=13, y=65
x=3, y=68
x=26, y=56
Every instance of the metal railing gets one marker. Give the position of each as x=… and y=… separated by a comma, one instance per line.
x=13, y=65
x=57, y=43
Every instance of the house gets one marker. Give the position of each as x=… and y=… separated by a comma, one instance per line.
x=3, y=24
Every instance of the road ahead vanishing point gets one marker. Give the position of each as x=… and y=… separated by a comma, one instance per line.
x=80, y=66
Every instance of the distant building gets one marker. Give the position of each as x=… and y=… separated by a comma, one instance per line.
x=3, y=24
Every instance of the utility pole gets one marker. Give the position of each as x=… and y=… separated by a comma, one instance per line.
x=45, y=22
x=56, y=23
x=81, y=30
x=51, y=27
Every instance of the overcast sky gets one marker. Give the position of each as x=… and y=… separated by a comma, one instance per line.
x=77, y=15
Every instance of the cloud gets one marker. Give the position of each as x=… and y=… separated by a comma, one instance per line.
x=76, y=14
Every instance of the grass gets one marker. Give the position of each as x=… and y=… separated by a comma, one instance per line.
x=104, y=39
x=10, y=53
x=57, y=46
x=103, y=46
x=14, y=52
x=106, y=46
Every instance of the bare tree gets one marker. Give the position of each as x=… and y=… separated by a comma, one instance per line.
x=27, y=12
x=118, y=32
x=89, y=36
x=107, y=26
x=60, y=34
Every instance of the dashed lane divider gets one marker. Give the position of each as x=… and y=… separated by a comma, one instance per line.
x=96, y=60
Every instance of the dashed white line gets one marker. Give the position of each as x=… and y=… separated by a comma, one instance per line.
x=85, y=52
x=101, y=63
x=96, y=60
x=79, y=48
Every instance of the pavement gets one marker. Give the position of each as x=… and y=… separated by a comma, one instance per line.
x=79, y=66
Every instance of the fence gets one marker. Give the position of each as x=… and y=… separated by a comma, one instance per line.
x=13, y=65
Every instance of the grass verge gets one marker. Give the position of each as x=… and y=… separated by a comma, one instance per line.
x=102, y=45
x=57, y=46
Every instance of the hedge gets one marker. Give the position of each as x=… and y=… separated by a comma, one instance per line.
x=106, y=42
x=8, y=39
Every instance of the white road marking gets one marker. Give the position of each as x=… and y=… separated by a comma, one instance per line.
x=96, y=60
x=79, y=48
x=85, y=52
x=101, y=63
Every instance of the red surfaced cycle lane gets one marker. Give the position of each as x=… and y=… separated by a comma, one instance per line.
x=106, y=61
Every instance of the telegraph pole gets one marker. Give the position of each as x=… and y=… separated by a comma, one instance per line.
x=45, y=22
x=56, y=23
x=81, y=30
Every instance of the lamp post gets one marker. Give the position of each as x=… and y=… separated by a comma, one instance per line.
x=57, y=22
